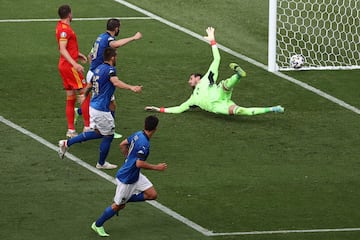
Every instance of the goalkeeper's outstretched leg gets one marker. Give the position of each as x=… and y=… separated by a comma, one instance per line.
x=237, y=110
x=229, y=83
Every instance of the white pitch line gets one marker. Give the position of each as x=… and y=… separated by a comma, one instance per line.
x=287, y=231
x=75, y=19
x=243, y=57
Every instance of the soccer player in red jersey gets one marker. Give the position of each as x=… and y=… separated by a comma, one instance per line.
x=70, y=70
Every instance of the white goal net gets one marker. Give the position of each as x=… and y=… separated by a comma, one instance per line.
x=325, y=32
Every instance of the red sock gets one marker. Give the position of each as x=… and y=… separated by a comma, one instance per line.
x=85, y=111
x=70, y=114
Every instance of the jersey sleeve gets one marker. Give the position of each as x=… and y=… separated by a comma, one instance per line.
x=64, y=33
x=182, y=107
x=112, y=72
x=213, y=71
x=110, y=39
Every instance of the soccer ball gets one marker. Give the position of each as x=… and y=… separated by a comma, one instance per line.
x=297, y=61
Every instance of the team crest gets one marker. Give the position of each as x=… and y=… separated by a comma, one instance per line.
x=63, y=35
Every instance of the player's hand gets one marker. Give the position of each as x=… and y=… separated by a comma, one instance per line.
x=210, y=34
x=136, y=89
x=161, y=166
x=152, y=108
x=137, y=36
x=78, y=67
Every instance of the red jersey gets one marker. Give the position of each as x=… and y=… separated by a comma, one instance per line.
x=65, y=33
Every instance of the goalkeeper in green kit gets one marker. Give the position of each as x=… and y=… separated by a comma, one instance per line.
x=213, y=97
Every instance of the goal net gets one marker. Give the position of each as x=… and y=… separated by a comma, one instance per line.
x=325, y=32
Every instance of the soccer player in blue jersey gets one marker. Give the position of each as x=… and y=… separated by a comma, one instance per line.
x=102, y=125
x=104, y=40
x=132, y=185
x=213, y=97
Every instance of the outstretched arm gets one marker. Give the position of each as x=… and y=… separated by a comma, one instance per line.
x=213, y=71
x=124, y=41
x=177, y=109
x=120, y=84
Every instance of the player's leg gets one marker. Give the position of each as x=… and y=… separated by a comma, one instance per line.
x=85, y=111
x=108, y=213
x=68, y=78
x=112, y=108
x=77, y=112
x=69, y=109
x=73, y=81
x=228, y=84
x=104, y=123
x=104, y=151
x=146, y=190
x=237, y=110
x=82, y=137
x=122, y=193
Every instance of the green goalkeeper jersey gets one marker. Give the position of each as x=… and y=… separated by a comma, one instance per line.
x=206, y=94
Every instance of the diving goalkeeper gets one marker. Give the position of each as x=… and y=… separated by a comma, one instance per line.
x=213, y=97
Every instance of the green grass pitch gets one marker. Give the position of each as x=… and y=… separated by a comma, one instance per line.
x=293, y=171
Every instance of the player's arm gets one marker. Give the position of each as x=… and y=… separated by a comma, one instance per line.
x=120, y=84
x=124, y=147
x=90, y=55
x=82, y=58
x=86, y=91
x=177, y=109
x=124, y=41
x=216, y=54
x=64, y=52
x=145, y=165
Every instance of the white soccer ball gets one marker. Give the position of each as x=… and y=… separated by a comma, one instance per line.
x=297, y=61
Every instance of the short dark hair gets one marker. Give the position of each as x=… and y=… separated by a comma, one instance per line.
x=112, y=23
x=109, y=52
x=151, y=122
x=64, y=11
x=197, y=75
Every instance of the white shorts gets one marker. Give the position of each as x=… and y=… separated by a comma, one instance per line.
x=102, y=121
x=89, y=76
x=125, y=191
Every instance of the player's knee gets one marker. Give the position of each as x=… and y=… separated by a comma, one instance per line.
x=232, y=109
x=116, y=207
x=150, y=195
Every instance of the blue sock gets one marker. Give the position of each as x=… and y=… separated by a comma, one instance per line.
x=104, y=148
x=137, y=197
x=107, y=214
x=84, y=136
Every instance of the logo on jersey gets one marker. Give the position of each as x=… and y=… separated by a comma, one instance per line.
x=63, y=35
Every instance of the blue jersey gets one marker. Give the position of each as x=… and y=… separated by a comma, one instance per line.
x=103, y=88
x=101, y=43
x=139, y=149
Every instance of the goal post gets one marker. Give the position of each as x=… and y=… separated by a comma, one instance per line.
x=325, y=32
